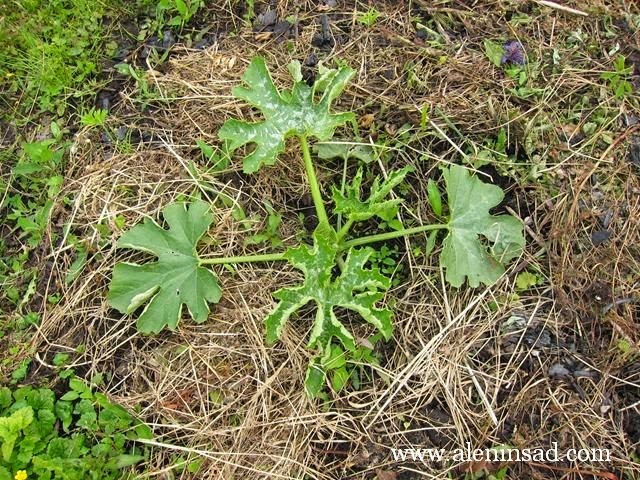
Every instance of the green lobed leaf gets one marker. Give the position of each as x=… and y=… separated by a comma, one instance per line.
x=463, y=254
x=64, y=411
x=356, y=288
x=175, y=279
x=289, y=112
x=526, y=280
x=355, y=209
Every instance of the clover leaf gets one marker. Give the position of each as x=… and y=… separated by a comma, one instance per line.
x=356, y=288
x=464, y=254
x=286, y=113
x=175, y=279
x=355, y=209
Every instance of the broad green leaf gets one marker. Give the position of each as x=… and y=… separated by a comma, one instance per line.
x=433, y=193
x=356, y=288
x=339, y=378
x=345, y=151
x=314, y=379
x=175, y=279
x=494, y=52
x=11, y=428
x=290, y=112
x=5, y=474
x=182, y=9
x=5, y=398
x=355, y=209
x=334, y=358
x=70, y=396
x=464, y=254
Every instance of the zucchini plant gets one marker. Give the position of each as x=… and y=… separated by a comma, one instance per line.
x=336, y=267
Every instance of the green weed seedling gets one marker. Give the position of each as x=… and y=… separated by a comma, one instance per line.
x=28, y=198
x=618, y=79
x=368, y=18
x=340, y=367
x=94, y=118
x=170, y=13
x=80, y=435
x=218, y=159
x=270, y=233
x=337, y=267
x=146, y=93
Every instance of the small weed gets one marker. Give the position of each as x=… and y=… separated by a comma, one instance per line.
x=500, y=474
x=618, y=79
x=176, y=13
x=27, y=200
x=78, y=435
x=163, y=14
x=94, y=118
x=368, y=18
x=270, y=234
x=527, y=280
x=37, y=178
x=249, y=10
x=385, y=259
x=146, y=93
x=218, y=159
x=343, y=366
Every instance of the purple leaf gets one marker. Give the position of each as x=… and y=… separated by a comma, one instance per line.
x=513, y=53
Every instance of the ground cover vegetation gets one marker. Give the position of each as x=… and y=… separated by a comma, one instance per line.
x=394, y=225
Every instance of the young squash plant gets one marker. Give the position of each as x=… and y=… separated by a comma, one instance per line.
x=475, y=248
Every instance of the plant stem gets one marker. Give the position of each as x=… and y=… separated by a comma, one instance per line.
x=391, y=235
x=342, y=185
x=313, y=182
x=344, y=230
x=274, y=257
x=267, y=257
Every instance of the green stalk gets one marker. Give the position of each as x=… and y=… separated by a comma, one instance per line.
x=313, y=182
x=344, y=230
x=344, y=181
x=381, y=237
x=267, y=257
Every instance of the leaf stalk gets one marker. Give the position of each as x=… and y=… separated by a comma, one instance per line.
x=313, y=182
x=267, y=257
x=381, y=237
